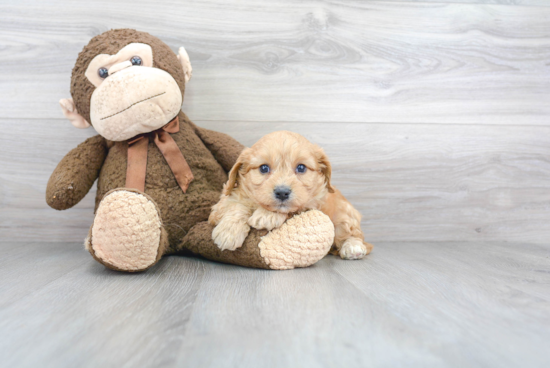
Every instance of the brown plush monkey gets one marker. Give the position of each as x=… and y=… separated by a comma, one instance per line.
x=158, y=173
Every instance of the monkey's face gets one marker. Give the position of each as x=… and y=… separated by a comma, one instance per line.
x=126, y=83
x=131, y=97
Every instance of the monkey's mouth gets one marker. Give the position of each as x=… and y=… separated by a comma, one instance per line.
x=134, y=101
x=132, y=105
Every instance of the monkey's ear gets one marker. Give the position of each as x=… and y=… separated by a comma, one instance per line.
x=185, y=63
x=69, y=110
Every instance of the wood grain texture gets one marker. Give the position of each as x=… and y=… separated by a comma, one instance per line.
x=421, y=182
x=338, y=61
x=434, y=182
x=449, y=304
x=435, y=115
x=313, y=67
x=499, y=2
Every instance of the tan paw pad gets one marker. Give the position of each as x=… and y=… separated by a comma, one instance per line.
x=126, y=231
x=299, y=242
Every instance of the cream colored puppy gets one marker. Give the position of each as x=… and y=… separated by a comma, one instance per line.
x=282, y=174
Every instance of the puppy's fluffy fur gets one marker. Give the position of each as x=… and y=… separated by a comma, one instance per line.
x=282, y=174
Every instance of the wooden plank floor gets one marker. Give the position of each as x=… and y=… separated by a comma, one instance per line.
x=435, y=115
x=408, y=304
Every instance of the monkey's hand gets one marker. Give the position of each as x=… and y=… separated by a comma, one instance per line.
x=75, y=174
x=264, y=219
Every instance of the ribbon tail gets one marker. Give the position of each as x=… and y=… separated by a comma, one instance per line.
x=173, y=156
x=137, y=164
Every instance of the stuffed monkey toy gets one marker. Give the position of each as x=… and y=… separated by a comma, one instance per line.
x=158, y=173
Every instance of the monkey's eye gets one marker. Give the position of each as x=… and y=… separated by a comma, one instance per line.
x=136, y=60
x=301, y=168
x=103, y=72
x=264, y=169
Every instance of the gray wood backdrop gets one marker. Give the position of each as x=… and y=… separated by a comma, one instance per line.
x=436, y=114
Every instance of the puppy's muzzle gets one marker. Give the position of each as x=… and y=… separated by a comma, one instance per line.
x=282, y=193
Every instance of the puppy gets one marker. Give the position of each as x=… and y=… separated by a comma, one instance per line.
x=283, y=174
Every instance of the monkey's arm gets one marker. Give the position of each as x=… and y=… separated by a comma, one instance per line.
x=225, y=149
x=75, y=174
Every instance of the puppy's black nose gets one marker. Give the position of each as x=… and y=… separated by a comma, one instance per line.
x=282, y=193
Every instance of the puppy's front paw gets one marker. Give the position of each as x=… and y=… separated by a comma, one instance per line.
x=230, y=235
x=264, y=219
x=354, y=248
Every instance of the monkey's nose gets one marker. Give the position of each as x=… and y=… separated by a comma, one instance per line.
x=282, y=193
x=118, y=67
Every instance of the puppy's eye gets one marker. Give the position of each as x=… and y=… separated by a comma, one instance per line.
x=103, y=73
x=264, y=169
x=301, y=169
x=136, y=60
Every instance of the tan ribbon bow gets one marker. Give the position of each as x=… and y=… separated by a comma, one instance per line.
x=137, y=157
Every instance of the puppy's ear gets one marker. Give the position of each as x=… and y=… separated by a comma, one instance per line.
x=326, y=168
x=234, y=173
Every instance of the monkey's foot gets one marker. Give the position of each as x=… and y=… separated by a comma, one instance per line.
x=300, y=242
x=127, y=233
